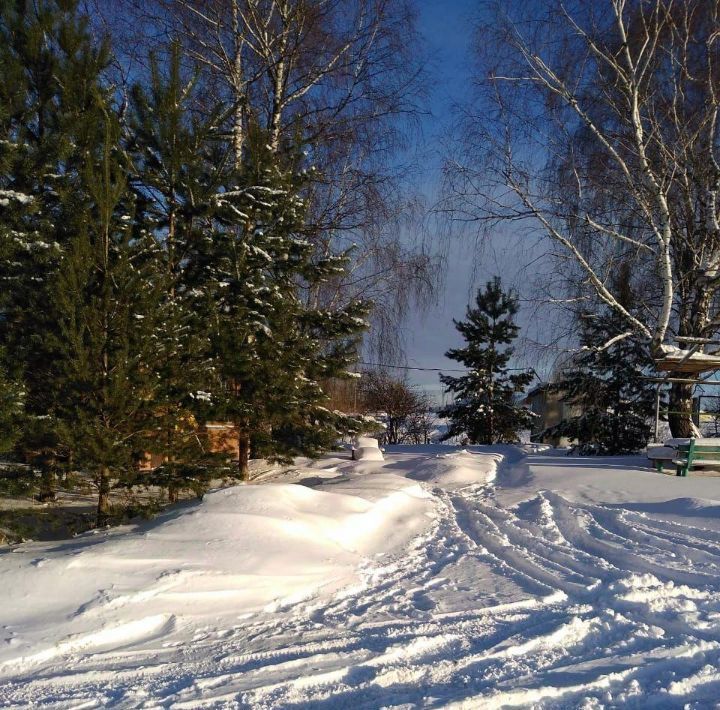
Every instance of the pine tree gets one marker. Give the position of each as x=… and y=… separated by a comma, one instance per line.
x=271, y=345
x=605, y=385
x=176, y=167
x=323, y=344
x=50, y=68
x=485, y=409
x=105, y=308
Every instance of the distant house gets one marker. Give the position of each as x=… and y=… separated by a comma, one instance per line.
x=221, y=437
x=550, y=410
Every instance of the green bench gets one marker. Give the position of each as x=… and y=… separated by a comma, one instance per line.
x=694, y=454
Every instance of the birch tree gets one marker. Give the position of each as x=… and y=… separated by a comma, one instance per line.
x=596, y=126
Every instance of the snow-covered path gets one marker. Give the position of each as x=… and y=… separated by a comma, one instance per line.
x=562, y=583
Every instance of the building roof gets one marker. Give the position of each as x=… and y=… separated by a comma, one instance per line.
x=542, y=387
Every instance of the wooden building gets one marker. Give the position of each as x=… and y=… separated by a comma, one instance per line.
x=549, y=410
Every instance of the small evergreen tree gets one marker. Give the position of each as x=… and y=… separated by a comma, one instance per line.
x=605, y=385
x=485, y=409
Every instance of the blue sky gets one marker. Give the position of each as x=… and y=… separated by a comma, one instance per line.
x=447, y=30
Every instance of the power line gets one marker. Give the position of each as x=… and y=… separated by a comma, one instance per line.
x=432, y=369
x=405, y=367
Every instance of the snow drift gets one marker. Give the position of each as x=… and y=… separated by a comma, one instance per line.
x=457, y=469
x=242, y=550
x=549, y=581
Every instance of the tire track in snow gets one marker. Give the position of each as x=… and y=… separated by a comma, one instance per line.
x=609, y=608
x=586, y=534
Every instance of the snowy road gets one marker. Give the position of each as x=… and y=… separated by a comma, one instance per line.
x=562, y=583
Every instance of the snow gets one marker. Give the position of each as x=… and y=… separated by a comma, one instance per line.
x=244, y=549
x=368, y=453
x=457, y=469
x=21, y=197
x=367, y=449
x=367, y=441
x=672, y=352
x=439, y=577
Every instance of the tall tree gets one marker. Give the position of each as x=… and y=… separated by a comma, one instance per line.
x=270, y=347
x=175, y=173
x=599, y=127
x=485, y=409
x=51, y=69
x=105, y=306
x=341, y=77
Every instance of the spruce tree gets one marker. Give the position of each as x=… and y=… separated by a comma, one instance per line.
x=485, y=408
x=605, y=386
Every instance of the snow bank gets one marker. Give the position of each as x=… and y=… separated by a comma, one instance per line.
x=243, y=550
x=549, y=581
x=438, y=465
x=457, y=469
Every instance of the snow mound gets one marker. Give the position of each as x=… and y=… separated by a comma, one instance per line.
x=367, y=442
x=368, y=453
x=457, y=469
x=367, y=449
x=242, y=551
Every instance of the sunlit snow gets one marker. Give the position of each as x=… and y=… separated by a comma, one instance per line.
x=436, y=578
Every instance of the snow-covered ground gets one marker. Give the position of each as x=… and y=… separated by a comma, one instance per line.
x=432, y=579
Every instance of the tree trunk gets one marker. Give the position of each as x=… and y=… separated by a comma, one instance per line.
x=103, y=507
x=680, y=417
x=48, y=480
x=47, y=487
x=238, y=85
x=244, y=455
x=68, y=468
